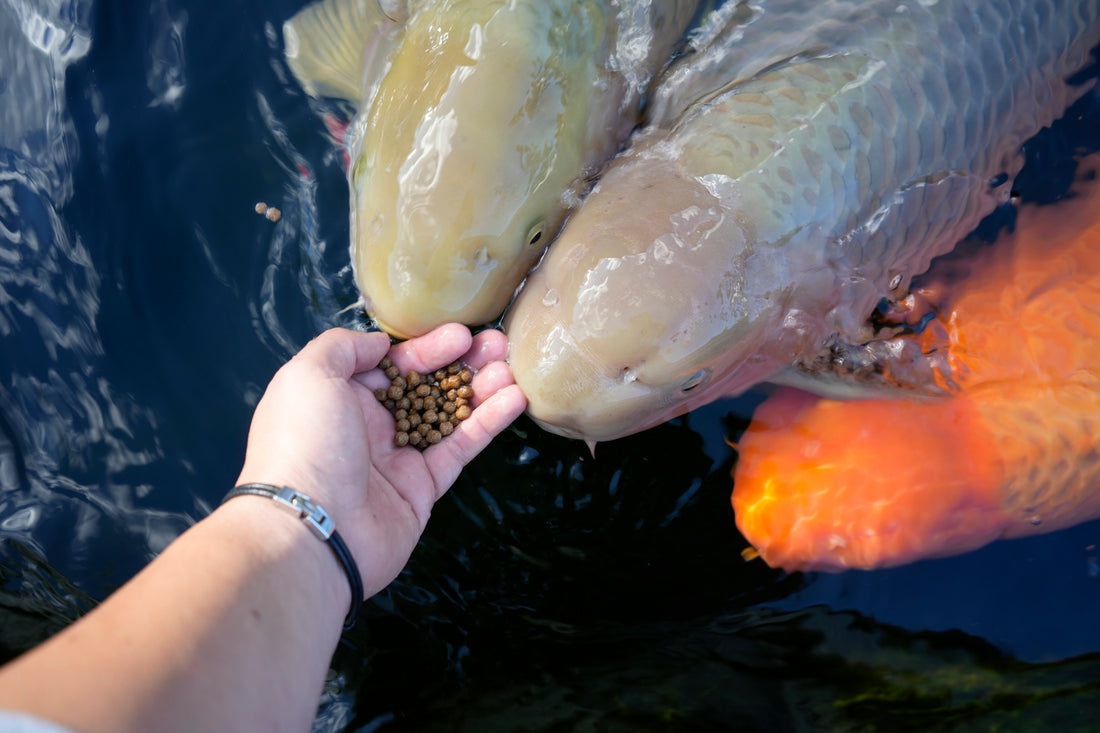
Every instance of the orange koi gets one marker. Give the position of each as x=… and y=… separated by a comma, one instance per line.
x=1013, y=450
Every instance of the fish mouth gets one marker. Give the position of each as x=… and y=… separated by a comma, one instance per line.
x=396, y=333
x=558, y=429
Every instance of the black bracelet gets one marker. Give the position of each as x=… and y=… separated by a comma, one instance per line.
x=321, y=524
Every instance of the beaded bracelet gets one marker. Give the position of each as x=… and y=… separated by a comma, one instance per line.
x=321, y=524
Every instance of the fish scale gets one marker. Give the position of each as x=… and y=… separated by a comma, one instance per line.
x=1039, y=493
x=1011, y=448
x=945, y=143
x=840, y=146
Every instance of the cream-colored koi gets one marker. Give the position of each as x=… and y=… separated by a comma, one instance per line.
x=807, y=160
x=480, y=122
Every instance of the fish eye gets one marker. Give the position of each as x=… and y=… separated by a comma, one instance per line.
x=534, y=234
x=695, y=380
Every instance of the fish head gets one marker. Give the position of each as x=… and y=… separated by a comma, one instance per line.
x=653, y=301
x=465, y=165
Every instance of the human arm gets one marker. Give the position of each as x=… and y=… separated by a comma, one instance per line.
x=232, y=627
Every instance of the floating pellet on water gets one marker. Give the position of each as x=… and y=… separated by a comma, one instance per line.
x=261, y=208
x=273, y=214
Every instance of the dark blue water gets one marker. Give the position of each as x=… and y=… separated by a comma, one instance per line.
x=144, y=306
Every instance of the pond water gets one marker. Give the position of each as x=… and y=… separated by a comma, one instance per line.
x=144, y=306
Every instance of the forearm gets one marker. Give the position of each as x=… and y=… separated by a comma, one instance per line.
x=240, y=618
x=233, y=626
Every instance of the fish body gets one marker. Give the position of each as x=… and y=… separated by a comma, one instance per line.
x=805, y=161
x=1013, y=450
x=479, y=122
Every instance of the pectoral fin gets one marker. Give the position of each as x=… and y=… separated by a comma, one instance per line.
x=340, y=48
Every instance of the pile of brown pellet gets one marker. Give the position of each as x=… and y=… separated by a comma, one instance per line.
x=426, y=407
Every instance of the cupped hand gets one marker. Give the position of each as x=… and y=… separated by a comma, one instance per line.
x=320, y=430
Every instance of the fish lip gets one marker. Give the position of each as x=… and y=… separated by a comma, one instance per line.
x=395, y=333
x=558, y=429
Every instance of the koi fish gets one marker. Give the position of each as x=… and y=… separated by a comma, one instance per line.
x=479, y=122
x=806, y=161
x=1013, y=450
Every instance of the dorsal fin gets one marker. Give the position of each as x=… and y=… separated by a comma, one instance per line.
x=336, y=48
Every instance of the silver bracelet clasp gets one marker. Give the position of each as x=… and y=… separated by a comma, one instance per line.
x=320, y=523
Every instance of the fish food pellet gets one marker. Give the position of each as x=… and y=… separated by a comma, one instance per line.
x=270, y=212
x=426, y=407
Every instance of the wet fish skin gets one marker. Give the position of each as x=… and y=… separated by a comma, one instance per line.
x=481, y=122
x=1014, y=450
x=778, y=196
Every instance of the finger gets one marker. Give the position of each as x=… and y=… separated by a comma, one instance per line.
x=440, y=350
x=446, y=459
x=491, y=379
x=437, y=348
x=341, y=352
x=488, y=346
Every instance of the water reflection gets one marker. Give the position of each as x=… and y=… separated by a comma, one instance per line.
x=70, y=435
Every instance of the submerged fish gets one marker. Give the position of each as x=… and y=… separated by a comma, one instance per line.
x=1015, y=451
x=807, y=160
x=479, y=122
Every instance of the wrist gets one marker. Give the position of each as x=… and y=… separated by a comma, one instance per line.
x=273, y=535
x=322, y=526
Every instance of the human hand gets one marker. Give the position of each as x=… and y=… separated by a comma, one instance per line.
x=320, y=430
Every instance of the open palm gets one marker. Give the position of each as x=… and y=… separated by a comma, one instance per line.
x=320, y=430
